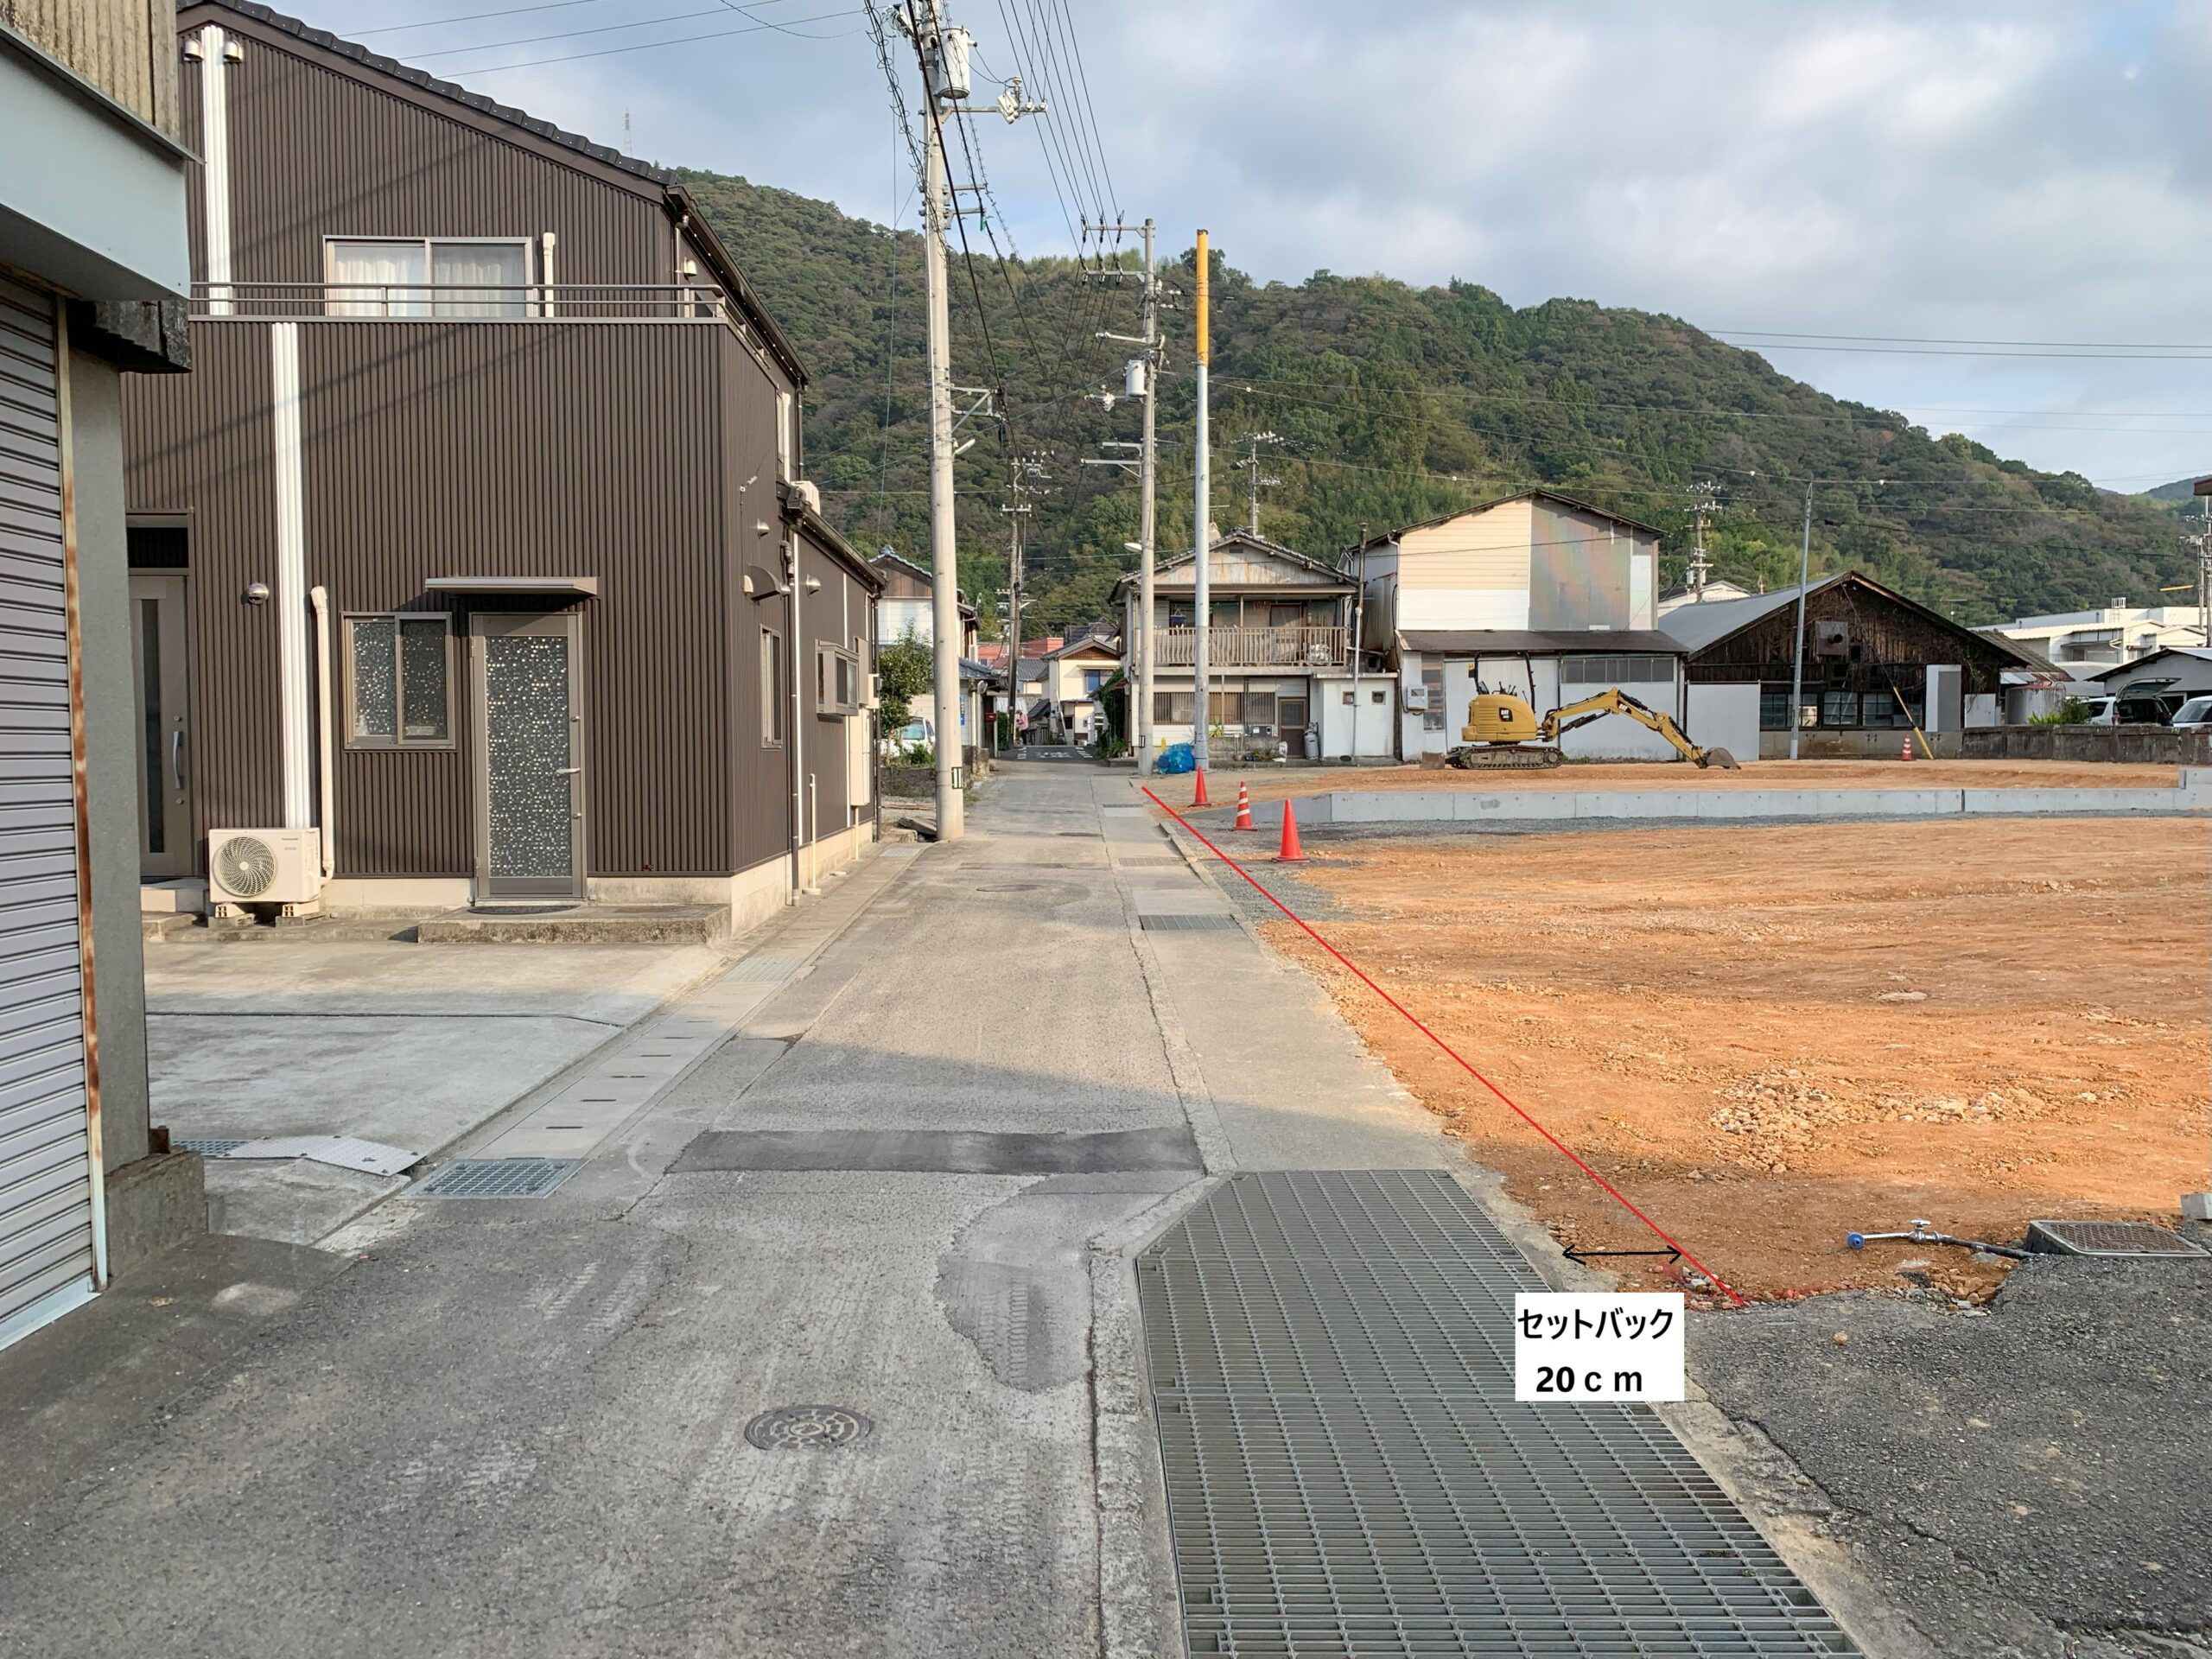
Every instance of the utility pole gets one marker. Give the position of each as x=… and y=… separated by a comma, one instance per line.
x=1140, y=377
x=942, y=50
x=1703, y=503
x=1026, y=467
x=1202, y=687
x=1798, y=673
x=1250, y=465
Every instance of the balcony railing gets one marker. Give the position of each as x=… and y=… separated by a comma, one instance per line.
x=461, y=301
x=1299, y=647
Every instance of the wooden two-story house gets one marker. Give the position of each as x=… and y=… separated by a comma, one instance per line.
x=477, y=556
x=1281, y=675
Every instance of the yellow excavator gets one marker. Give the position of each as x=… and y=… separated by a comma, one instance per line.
x=1503, y=733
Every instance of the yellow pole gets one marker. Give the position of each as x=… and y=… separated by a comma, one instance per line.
x=1203, y=293
x=1201, y=665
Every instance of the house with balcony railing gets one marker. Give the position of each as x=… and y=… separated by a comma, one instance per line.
x=476, y=560
x=1281, y=675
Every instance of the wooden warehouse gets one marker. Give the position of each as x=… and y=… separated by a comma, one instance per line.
x=1875, y=663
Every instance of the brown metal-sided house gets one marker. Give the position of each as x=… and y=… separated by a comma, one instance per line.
x=474, y=562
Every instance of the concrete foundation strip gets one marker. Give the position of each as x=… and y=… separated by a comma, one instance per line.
x=1345, y=808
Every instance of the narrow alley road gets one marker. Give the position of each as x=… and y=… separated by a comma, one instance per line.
x=910, y=1189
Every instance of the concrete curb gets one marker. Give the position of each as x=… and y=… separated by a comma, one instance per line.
x=1346, y=808
x=1139, y=1600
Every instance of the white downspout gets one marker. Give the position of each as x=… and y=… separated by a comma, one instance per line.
x=291, y=573
x=328, y=816
x=216, y=51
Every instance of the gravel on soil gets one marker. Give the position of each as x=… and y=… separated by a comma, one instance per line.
x=2019, y=1478
x=1770, y=1038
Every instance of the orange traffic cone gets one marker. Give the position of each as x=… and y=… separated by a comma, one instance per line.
x=1243, y=807
x=1198, y=798
x=1290, y=853
x=1907, y=755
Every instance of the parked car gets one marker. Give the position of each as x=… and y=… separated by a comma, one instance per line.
x=2195, y=716
x=2142, y=702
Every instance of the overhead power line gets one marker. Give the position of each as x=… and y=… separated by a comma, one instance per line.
x=1938, y=340
x=469, y=17
x=679, y=40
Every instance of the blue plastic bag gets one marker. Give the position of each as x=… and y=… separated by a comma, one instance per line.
x=1176, y=758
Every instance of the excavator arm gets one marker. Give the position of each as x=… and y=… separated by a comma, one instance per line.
x=1616, y=701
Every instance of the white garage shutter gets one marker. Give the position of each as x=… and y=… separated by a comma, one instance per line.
x=45, y=1196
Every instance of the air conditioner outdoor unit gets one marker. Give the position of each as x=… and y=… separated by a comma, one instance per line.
x=264, y=866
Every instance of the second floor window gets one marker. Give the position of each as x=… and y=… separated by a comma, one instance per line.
x=427, y=278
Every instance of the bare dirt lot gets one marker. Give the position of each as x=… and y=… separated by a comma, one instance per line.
x=1630, y=774
x=1767, y=1037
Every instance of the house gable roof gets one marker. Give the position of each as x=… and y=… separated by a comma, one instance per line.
x=1257, y=546
x=1701, y=627
x=1535, y=494
x=518, y=126
x=2197, y=653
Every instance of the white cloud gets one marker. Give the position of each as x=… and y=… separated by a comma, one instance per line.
x=2034, y=172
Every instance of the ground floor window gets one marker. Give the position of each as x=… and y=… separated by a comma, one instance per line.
x=771, y=687
x=1824, y=708
x=398, y=682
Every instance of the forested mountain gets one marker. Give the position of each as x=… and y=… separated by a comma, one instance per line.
x=1395, y=404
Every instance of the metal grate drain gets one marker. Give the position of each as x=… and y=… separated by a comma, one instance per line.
x=497, y=1178
x=207, y=1148
x=2107, y=1238
x=1149, y=862
x=1348, y=1472
x=764, y=969
x=1188, y=924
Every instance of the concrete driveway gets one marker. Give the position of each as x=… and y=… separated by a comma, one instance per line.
x=411, y=1045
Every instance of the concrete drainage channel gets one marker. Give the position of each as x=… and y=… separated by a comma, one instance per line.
x=1330, y=1361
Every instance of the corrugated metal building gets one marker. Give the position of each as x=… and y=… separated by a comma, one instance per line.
x=477, y=549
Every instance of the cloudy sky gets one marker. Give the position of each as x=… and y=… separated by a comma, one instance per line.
x=2030, y=171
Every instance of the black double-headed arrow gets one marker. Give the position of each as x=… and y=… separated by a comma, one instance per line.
x=1576, y=1253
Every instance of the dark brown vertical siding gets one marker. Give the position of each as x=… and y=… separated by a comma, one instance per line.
x=314, y=153
x=760, y=777
x=548, y=449
x=200, y=444
x=823, y=617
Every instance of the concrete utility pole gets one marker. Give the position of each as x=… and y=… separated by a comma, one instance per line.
x=1026, y=467
x=944, y=52
x=1140, y=378
x=1250, y=465
x=1202, y=698
x=1702, y=504
x=1798, y=673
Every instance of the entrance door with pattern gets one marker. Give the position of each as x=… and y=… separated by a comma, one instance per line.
x=529, y=781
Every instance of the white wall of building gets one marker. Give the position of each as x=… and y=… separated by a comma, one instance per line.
x=1725, y=717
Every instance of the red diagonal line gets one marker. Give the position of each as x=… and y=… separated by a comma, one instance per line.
x=1557, y=1145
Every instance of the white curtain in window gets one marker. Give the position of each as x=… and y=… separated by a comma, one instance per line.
x=503, y=267
x=389, y=275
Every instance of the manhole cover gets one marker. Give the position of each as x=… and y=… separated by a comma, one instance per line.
x=788, y=1427
x=2107, y=1238
x=497, y=1178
